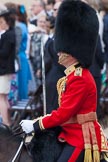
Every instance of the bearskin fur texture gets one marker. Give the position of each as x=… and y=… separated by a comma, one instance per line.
x=76, y=31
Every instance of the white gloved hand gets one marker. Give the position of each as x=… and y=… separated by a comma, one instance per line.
x=27, y=126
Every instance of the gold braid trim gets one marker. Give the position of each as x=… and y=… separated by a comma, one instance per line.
x=88, y=149
x=61, y=85
x=96, y=153
x=39, y=119
x=88, y=155
x=104, y=142
x=41, y=124
x=89, y=131
x=89, y=134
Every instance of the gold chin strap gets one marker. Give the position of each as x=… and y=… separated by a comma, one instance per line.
x=62, y=57
x=65, y=55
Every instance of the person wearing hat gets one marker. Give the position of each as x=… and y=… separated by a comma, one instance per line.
x=7, y=57
x=76, y=36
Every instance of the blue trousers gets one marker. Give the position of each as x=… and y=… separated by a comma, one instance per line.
x=67, y=153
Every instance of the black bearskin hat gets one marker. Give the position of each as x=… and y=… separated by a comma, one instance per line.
x=76, y=31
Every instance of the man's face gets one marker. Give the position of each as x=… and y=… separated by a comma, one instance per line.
x=36, y=8
x=63, y=58
x=41, y=22
x=66, y=59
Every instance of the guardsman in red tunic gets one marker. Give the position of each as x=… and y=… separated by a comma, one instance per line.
x=76, y=35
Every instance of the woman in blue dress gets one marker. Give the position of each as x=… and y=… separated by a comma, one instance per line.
x=24, y=74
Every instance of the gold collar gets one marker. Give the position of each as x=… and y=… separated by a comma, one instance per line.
x=70, y=69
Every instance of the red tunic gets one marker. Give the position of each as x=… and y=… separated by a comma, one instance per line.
x=78, y=97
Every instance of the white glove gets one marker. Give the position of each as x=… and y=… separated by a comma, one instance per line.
x=27, y=126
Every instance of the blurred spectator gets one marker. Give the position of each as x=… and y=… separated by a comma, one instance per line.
x=41, y=23
x=37, y=38
x=37, y=8
x=104, y=12
x=54, y=71
x=58, y=1
x=49, y=7
x=96, y=4
x=7, y=58
x=56, y=7
x=105, y=35
x=95, y=69
x=50, y=23
x=24, y=74
x=51, y=19
x=12, y=7
x=13, y=95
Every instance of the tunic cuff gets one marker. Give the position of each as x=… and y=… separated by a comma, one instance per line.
x=38, y=125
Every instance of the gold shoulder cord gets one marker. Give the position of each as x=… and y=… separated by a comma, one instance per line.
x=61, y=85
